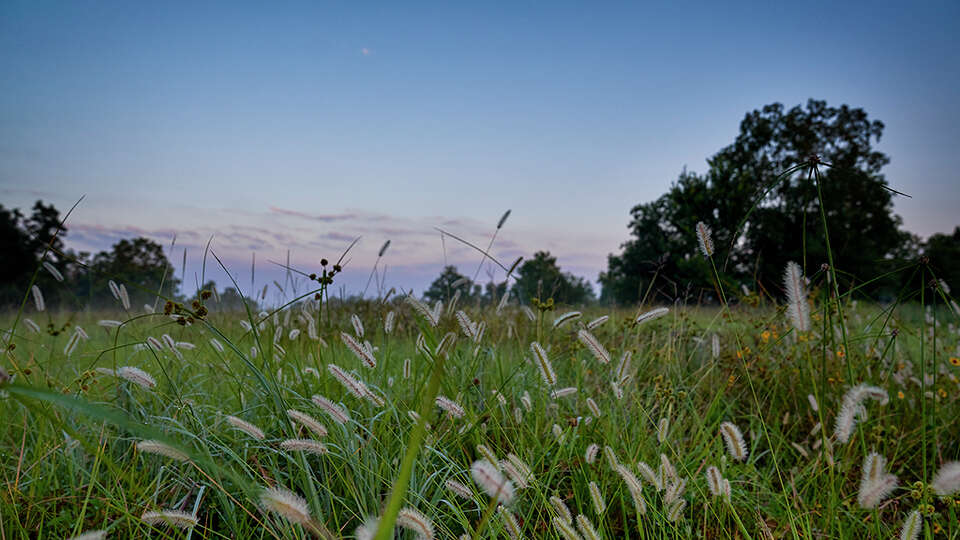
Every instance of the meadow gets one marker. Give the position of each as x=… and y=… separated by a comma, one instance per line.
x=824, y=417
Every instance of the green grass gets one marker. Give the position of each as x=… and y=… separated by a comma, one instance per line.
x=67, y=443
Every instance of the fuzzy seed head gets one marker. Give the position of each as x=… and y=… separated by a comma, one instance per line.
x=246, y=427
x=173, y=518
x=287, y=504
x=734, y=441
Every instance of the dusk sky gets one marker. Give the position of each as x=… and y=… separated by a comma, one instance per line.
x=298, y=126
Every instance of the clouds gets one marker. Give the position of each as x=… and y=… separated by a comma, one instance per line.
x=418, y=250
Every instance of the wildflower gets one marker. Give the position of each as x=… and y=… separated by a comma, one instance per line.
x=797, y=308
x=734, y=441
x=565, y=318
x=955, y=361
x=246, y=427
x=591, y=343
x=411, y=519
x=307, y=421
x=546, y=368
x=162, y=449
x=705, y=239
x=489, y=477
x=286, y=503
x=174, y=518
x=652, y=314
x=136, y=376
x=338, y=413
x=358, y=350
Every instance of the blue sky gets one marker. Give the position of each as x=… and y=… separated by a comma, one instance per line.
x=297, y=126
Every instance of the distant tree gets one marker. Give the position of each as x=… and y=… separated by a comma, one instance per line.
x=943, y=252
x=780, y=216
x=541, y=277
x=140, y=264
x=446, y=285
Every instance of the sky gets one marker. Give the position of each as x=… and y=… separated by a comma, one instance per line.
x=296, y=127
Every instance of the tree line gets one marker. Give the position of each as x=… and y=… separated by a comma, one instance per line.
x=761, y=203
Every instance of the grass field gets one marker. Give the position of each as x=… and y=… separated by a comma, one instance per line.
x=695, y=422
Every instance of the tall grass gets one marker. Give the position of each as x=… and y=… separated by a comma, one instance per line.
x=697, y=421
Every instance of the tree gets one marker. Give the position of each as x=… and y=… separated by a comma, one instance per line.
x=943, y=252
x=447, y=283
x=140, y=265
x=540, y=277
x=761, y=220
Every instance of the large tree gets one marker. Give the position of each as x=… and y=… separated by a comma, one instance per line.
x=541, y=277
x=448, y=283
x=140, y=264
x=762, y=218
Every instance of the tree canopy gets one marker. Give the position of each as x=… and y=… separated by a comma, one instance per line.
x=762, y=218
x=541, y=277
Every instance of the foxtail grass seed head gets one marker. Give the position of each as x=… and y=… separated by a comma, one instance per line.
x=558, y=433
x=446, y=343
x=599, y=505
x=875, y=483
x=510, y=523
x=354, y=386
x=652, y=314
x=422, y=309
x=526, y=401
x=287, y=504
x=597, y=322
x=734, y=441
x=32, y=325
x=124, y=297
x=674, y=491
x=406, y=368
x=529, y=313
x=561, y=510
x=798, y=310
x=488, y=454
x=459, y=489
x=586, y=528
x=53, y=271
x=336, y=412
x=563, y=392
x=675, y=511
x=293, y=334
x=591, y=454
x=453, y=408
x=357, y=325
x=173, y=518
x=634, y=487
x=114, y=289
x=648, y=474
x=565, y=318
x=216, y=345
x=412, y=520
x=136, y=376
x=90, y=535
x=852, y=409
x=814, y=406
x=308, y=422
x=594, y=346
x=912, y=526
x=161, y=449
x=543, y=363
x=594, y=408
x=492, y=481
x=668, y=474
x=705, y=239
x=947, y=480
x=71, y=344
x=663, y=429
x=38, y=302
x=714, y=481
x=611, y=457
x=389, y=321
x=358, y=350
x=518, y=471
x=565, y=528
x=468, y=327
x=246, y=427
x=715, y=346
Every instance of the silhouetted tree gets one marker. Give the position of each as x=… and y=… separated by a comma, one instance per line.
x=140, y=264
x=541, y=277
x=943, y=252
x=780, y=217
x=446, y=285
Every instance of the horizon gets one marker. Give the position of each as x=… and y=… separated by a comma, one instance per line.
x=305, y=127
